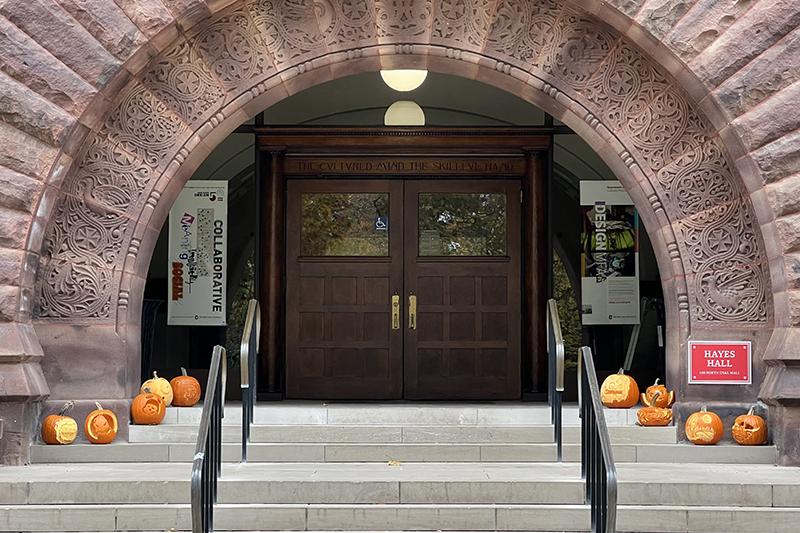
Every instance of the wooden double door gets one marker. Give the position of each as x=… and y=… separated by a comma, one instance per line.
x=403, y=288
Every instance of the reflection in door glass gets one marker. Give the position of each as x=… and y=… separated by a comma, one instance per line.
x=462, y=224
x=345, y=224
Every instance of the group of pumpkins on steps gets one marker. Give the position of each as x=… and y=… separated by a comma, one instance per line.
x=703, y=427
x=148, y=408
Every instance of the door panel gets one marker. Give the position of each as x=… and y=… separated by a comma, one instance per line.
x=462, y=243
x=453, y=246
x=344, y=255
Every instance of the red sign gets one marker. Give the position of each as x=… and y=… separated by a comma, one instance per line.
x=723, y=363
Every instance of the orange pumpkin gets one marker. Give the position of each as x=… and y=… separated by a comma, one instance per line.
x=654, y=416
x=160, y=386
x=185, y=389
x=148, y=408
x=665, y=397
x=704, y=427
x=619, y=390
x=60, y=428
x=101, y=425
x=749, y=429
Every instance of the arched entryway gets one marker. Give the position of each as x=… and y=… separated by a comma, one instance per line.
x=109, y=198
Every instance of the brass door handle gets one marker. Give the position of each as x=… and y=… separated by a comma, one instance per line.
x=396, y=311
x=412, y=311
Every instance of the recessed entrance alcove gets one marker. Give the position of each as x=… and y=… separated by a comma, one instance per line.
x=480, y=224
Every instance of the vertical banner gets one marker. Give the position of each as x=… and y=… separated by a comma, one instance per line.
x=610, y=255
x=198, y=227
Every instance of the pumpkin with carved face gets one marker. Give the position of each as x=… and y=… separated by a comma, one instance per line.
x=664, y=398
x=704, y=427
x=160, y=386
x=60, y=428
x=101, y=425
x=185, y=389
x=749, y=429
x=148, y=408
x=654, y=416
x=619, y=390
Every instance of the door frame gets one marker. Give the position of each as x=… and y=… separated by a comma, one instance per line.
x=364, y=153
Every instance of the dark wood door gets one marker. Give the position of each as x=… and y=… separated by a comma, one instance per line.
x=462, y=264
x=449, y=247
x=345, y=262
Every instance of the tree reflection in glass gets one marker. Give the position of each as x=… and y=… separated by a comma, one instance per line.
x=345, y=224
x=462, y=224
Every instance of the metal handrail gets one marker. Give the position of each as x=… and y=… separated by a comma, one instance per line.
x=555, y=366
x=207, y=464
x=597, y=459
x=248, y=358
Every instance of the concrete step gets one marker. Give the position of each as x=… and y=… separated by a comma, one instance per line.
x=393, y=517
x=336, y=434
x=405, y=452
x=409, y=483
x=399, y=414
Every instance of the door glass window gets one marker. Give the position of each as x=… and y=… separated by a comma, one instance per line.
x=345, y=224
x=458, y=224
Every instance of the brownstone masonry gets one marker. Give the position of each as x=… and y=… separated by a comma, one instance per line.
x=107, y=107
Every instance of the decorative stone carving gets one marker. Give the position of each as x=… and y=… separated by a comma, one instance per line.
x=575, y=56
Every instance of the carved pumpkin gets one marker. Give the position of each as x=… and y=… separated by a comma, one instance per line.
x=749, y=429
x=148, y=408
x=619, y=390
x=101, y=425
x=186, y=390
x=60, y=428
x=160, y=386
x=654, y=416
x=704, y=427
x=665, y=397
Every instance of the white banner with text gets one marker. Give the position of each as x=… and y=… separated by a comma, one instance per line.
x=198, y=227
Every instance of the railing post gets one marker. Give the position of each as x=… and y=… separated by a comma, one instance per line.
x=597, y=459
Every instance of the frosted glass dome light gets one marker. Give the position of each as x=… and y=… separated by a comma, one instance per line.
x=404, y=113
x=404, y=80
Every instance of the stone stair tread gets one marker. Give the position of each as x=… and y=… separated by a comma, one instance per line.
x=394, y=517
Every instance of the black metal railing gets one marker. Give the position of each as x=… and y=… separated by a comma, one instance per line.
x=597, y=459
x=248, y=357
x=555, y=364
x=207, y=464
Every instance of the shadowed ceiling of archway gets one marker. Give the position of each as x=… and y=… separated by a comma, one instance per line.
x=124, y=171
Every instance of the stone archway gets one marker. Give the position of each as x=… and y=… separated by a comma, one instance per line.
x=110, y=192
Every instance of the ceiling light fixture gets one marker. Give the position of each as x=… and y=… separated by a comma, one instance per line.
x=404, y=113
x=404, y=80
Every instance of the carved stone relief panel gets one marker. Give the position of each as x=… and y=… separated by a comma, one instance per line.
x=84, y=245
x=234, y=50
x=466, y=23
x=520, y=30
x=181, y=80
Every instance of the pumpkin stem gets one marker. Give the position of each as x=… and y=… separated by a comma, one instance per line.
x=155, y=375
x=704, y=409
x=99, y=407
x=656, y=394
x=656, y=383
x=183, y=371
x=750, y=412
x=621, y=371
x=66, y=408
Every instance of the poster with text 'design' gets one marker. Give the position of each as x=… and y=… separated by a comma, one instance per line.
x=609, y=255
x=197, y=260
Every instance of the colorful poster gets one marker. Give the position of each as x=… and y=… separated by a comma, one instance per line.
x=721, y=363
x=609, y=255
x=198, y=226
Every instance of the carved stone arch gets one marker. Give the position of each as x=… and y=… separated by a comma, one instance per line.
x=165, y=120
